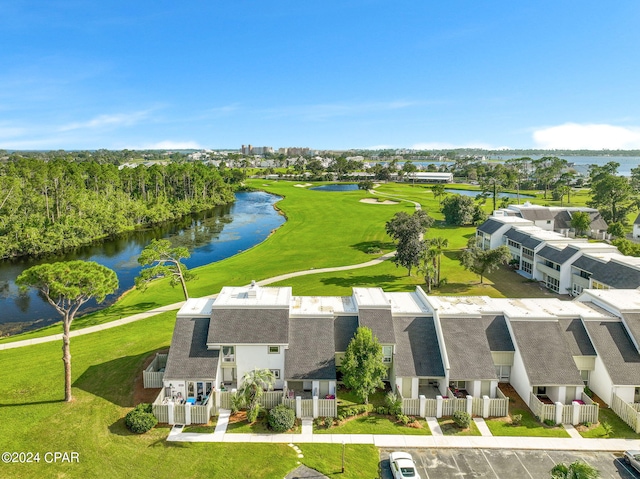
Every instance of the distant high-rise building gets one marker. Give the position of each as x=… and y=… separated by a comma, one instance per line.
x=256, y=150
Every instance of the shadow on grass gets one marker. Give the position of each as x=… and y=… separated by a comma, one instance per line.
x=33, y=403
x=113, y=380
x=112, y=313
x=387, y=282
x=367, y=246
x=120, y=429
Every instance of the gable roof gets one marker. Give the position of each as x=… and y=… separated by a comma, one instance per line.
x=467, y=349
x=344, y=328
x=562, y=221
x=576, y=337
x=618, y=354
x=249, y=326
x=544, y=352
x=497, y=333
x=490, y=226
x=586, y=263
x=536, y=214
x=380, y=322
x=557, y=256
x=189, y=357
x=311, y=354
x=597, y=221
x=524, y=239
x=417, y=348
x=616, y=275
x=637, y=220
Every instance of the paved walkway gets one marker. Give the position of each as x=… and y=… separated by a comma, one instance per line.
x=482, y=426
x=175, y=306
x=436, y=440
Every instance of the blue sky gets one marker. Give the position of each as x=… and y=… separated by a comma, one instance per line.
x=323, y=74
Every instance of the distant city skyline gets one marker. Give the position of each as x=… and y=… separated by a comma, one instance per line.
x=359, y=74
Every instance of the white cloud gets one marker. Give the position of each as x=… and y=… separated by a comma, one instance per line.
x=102, y=121
x=574, y=136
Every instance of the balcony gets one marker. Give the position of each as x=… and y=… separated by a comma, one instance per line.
x=549, y=271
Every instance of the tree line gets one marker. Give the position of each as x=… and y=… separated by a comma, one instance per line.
x=56, y=203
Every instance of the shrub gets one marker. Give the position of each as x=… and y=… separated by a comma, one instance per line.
x=383, y=411
x=140, y=419
x=587, y=424
x=281, y=418
x=393, y=403
x=549, y=422
x=404, y=419
x=516, y=419
x=588, y=391
x=608, y=428
x=253, y=413
x=462, y=419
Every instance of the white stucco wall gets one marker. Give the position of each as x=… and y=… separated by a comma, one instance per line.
x=600, y=382
x=557, y=393
x=626, y=393
x=257, y=356
x=519, y=378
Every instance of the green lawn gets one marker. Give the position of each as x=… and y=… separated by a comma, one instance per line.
x=529, y=426
x=449, y=428
x=375, y=424
x=258, y=427
x=361, y=461
x=105, y=366
x=620, y=429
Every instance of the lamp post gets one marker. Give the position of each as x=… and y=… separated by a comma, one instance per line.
x=343, y=456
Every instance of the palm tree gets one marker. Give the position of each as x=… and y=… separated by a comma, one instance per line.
x=427, y=267
x=575, y=470
x=254, y=384
x=438, y=244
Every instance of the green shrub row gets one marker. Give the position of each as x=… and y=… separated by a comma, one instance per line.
x=140, y=419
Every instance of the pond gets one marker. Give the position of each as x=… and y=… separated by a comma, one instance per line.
x=210, y=236
x=475, y=193
x=336, y=187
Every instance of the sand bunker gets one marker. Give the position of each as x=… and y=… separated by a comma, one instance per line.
x=303, y=186
x=374, y=201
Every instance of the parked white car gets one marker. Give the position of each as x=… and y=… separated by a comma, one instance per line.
x=633, y=459
x=403, y=466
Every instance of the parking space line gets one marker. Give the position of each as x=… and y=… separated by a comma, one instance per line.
x=522, y=464
x=460, y=473
x=631, y=471
x=489, y=462
x=424, y=465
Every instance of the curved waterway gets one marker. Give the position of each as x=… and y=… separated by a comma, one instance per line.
x=210, y=236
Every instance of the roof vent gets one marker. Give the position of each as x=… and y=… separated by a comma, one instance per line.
x=253, y=289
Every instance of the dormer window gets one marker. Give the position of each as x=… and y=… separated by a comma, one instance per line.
x=274, y=349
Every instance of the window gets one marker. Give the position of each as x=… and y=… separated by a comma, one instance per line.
x=553, y=284
x=548, y=222
x=274, y=349
x=276, y=373
x=577, y=289
x=228, y=354
x=585, y=376
x=387, y=353
x=513, y=244
x=526, y=267
x=527, y=253
x=503, y=373
x=584, y=274
x=596, y=285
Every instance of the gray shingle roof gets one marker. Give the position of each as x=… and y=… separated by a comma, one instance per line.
x=586, y=264
x=637, y=220
x=417, y=349
x=490, y=226
x=524, y=239
x=632, y=321
x=616, y=275
x=536, y=214
x=497, y=333
x=467, y=349
x=614, y=347
x=559, y=256
x=545, y=354
x=344, y=328
x=562, y=221
x=597, y=221
x=380, y=322
x=576, y=337
x=311, y=353
x=247, y=326
x=189, y=357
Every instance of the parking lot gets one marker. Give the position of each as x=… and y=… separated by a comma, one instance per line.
x=504, y=464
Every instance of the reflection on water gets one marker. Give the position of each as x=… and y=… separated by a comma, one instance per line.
x=210, y=236
x=475, y=193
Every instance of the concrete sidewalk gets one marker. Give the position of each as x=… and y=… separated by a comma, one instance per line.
x=400, y=441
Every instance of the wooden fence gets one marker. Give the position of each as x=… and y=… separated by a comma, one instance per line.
x=152, y=376
x=449, y=406
x=635, y=406
x=627, y=412
x=290, y=403
x=477, y=406
x=499, y=407
x=327, y=408
x=306, y=407
x=225, y=399
x=411, y=407
x=540, y=410
x=567, y=414
x=271, y=399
